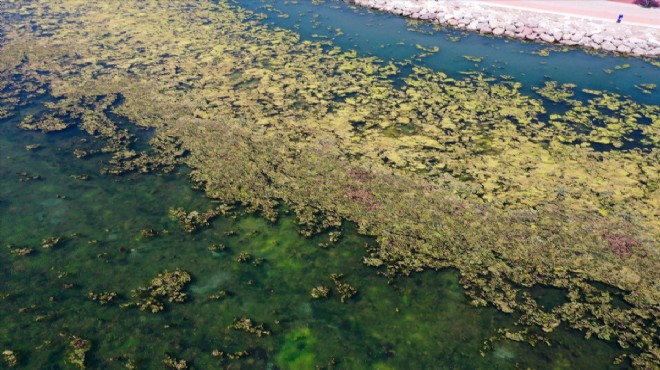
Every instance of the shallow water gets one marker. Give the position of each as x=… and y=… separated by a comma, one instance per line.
x=418, y=322
x=422, y=321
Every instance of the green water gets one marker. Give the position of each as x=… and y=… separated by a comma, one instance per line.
x=418, y=322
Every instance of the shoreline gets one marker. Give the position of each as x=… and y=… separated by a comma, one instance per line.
x=547, y=25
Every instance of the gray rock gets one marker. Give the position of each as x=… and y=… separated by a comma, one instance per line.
x=510, y=27
x=485, y=29
x=617, y=42
x=597, y=38
x=547, y=38
x=608, y=46
x=623, y=49
x=532, y=36
x=653, y=52
x=498, y=31
x=577, y=36
x=509, y=33
x=639, y=51
x=568, y=42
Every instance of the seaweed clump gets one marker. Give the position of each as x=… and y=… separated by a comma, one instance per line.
x=102, y=297
x=556, y=94
x=245, y=324
x=10, y=357
x=244, y=257
x=218, y=296
x=78, y=348
x=194, y=220
x=319, y=292
x=27, y=177
x=51, y=242
x=217, y=248
x=19, y=251
x=147, y=233
x=172, y=363
x=345, y=290
x=43, y=124
x=167, y=286
x=230, y=355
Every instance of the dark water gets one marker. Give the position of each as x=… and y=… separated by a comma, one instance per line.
x=421, y=322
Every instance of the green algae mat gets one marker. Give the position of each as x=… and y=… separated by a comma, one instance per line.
x=187, y=184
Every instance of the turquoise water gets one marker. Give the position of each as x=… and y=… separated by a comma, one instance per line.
x=421, y=322
x=393, y=38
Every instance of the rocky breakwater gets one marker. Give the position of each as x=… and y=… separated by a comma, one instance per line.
x=591, y=33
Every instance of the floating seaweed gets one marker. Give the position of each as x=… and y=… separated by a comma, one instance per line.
x=473, y=58
x=44, y=124
x=10, y=357
x=51, y=242
x=77, y=353
x=245, y=324
x=466, y=172
x=19, y=251
x=218, y=296
x=244, y=257
x=102, y=297
x=167, y=286
x=646, y=88
x=217, y=248
x=148, y=233
x=319, y=291
x=27, y=177
x=194, y=220
x=173, y=363
x=345, y=290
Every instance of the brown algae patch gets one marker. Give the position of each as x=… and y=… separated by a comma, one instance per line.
x=167, y=286
x=443, y=172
